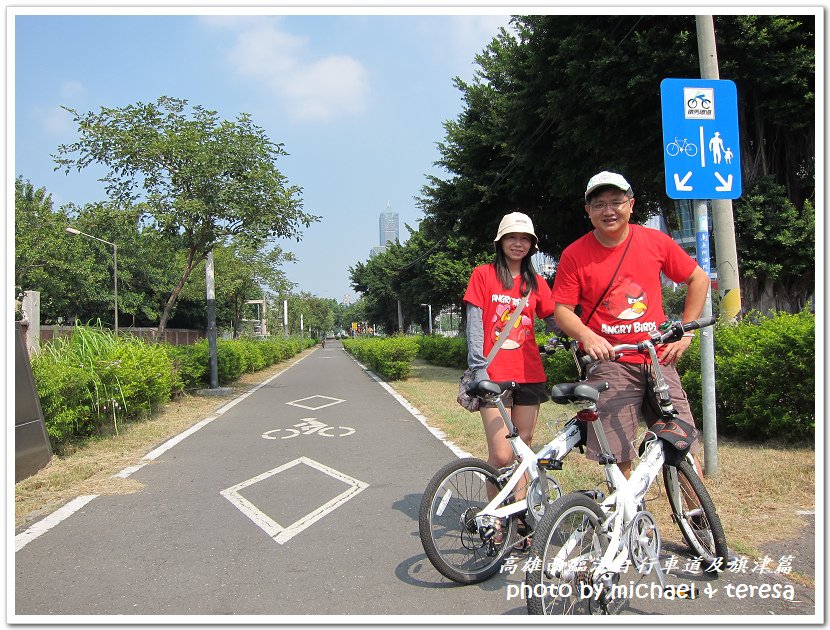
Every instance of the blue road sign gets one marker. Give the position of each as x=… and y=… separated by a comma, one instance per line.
x=700, y=139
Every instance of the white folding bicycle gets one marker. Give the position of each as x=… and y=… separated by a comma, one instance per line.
x=583, y=546
x=466, y=534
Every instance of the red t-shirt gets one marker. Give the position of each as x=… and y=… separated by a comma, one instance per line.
x=518, y=358
x=633, y=306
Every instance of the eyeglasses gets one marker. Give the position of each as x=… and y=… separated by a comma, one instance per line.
x=611, y=205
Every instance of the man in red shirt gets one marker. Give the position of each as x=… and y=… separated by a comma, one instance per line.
x=613, y=274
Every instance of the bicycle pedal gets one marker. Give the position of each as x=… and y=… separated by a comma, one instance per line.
x=550, y=464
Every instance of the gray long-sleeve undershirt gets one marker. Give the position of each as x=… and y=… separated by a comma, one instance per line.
x=475, y=340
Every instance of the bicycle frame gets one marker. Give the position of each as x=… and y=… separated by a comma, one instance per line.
x=622, y=505
x=561, y=444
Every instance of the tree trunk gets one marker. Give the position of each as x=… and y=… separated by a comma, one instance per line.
x=764, y=295
x=171, y=301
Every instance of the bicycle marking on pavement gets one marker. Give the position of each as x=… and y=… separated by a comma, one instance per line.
x=277, y=532
x=309, y=426
x=296, y=403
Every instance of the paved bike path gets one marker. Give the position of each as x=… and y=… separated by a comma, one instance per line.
x=300, y=499
x=179, y=546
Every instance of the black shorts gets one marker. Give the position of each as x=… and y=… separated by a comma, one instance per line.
x=525, y=394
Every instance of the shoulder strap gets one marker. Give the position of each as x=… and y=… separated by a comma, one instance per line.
x=613, y=277
x=506, y=330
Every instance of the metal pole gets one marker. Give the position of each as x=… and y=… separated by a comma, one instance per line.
x=707, y=350
x=211, y=322
x=723, y=221
x=285, y=318
x=115, y=282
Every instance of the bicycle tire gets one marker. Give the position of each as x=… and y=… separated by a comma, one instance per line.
x=674, y=150
x=700, y=524
x=453, y=497
x=573, y=521
x=691, y=150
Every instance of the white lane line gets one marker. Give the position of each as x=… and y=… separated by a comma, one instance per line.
x=44, y=525
x=276, y=531
x=417, y=414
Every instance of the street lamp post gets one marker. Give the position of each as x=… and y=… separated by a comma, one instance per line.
x=429, y=306
x=72, y=230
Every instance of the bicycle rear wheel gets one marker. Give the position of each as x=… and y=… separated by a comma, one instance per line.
x=694, y=512
x=568, y=543
x=451, y=540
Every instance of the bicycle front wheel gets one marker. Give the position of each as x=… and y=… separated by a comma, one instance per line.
x=567, y=545
x=695, y=514
x=451, y=539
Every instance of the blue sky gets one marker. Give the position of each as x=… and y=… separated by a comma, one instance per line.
x=357, y=99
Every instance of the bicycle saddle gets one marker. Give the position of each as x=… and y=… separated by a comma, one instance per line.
x=564, y=393
x=490, y=388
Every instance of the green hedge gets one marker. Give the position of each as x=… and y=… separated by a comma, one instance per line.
x=93, y=379
x=764, y=377
x=764, y=374
x=445, y=351
x=390, y=356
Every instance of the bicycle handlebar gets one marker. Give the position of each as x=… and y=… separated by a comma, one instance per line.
x=672, y=334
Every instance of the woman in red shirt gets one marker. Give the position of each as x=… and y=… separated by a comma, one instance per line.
x=494, y=291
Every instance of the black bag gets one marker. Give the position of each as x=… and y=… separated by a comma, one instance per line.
x=470, y=403
x=677, y=436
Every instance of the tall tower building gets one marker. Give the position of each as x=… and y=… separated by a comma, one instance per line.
x=389, y=226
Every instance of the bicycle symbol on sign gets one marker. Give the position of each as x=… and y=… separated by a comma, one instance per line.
x=676, y=147
x=308, y=426
x=705, y=103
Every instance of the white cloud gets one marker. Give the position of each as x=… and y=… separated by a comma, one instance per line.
x=311, y=89
x=54, y=120
x=71, y=89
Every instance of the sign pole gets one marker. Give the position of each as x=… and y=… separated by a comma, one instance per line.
x=707, y=349
x=723, y=222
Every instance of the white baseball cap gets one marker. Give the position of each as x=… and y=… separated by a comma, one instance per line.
x=519, y=223
x=607, y=178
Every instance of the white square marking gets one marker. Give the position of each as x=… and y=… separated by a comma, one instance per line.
x=334, y=401
x=276, y=531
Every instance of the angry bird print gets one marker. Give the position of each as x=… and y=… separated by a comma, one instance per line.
x=627, y=300
x=516, y=337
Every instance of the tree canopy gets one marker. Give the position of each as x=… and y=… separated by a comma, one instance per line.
x=200, y=180
x=561, y=97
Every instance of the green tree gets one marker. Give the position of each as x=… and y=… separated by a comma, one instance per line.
x=567, y=96
x=201, y=180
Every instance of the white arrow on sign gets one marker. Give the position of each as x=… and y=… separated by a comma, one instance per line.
x=680, y=184
x=726, y=184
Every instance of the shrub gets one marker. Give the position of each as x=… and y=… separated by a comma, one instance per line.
x=252, y=356
x=66, y=398
x=230, y=364
x=445, y=351
x=764, y=377
x=390, y=356
x=190, y=366
x=138, y=375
